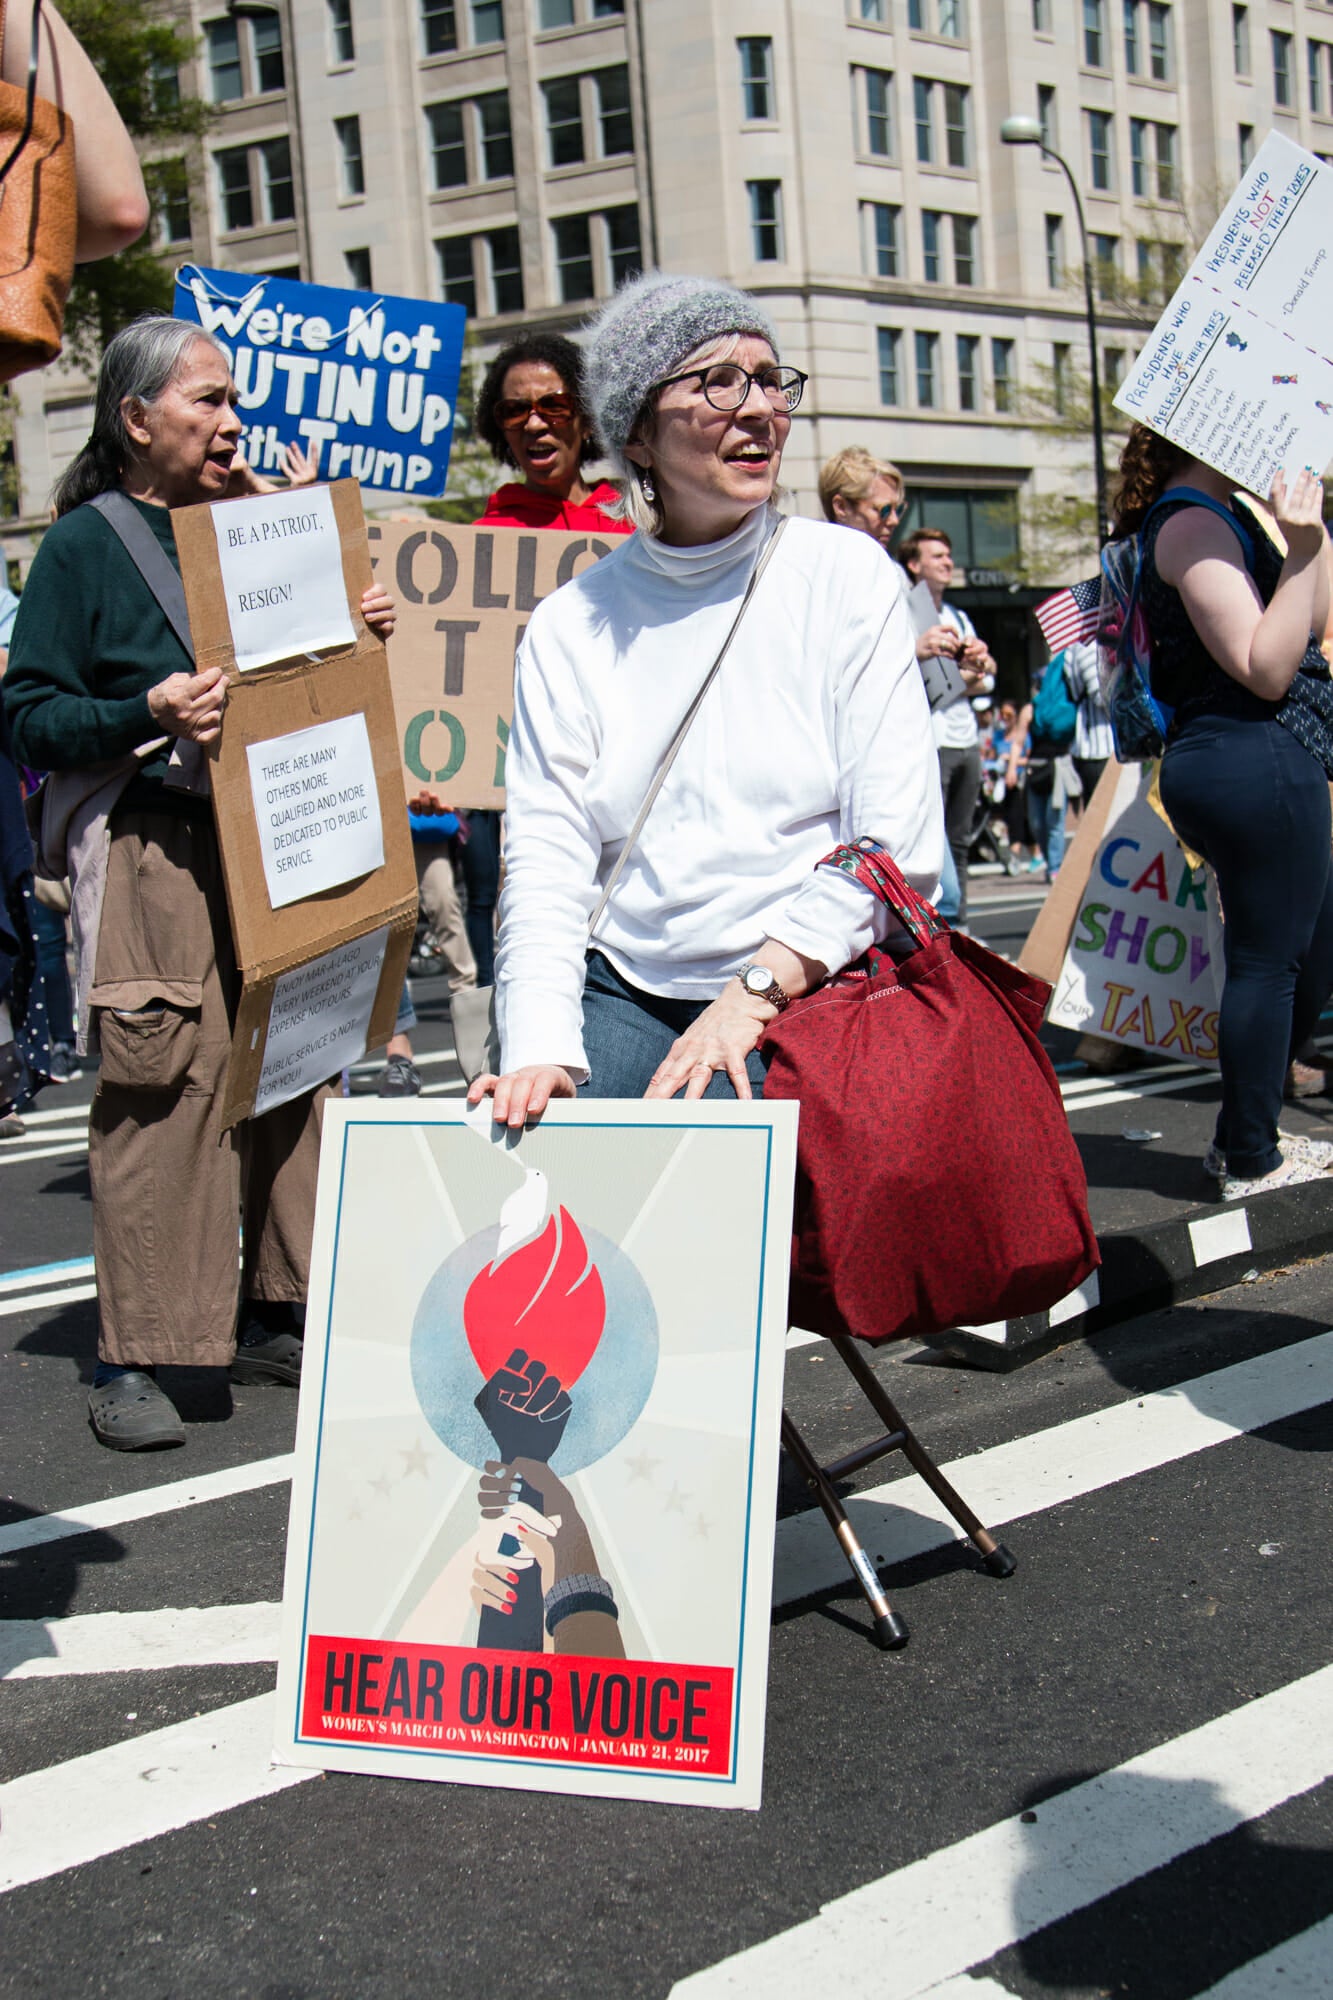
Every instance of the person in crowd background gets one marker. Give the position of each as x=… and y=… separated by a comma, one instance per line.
x=101, y=691
x=1094, y=741
x=946, y=635
x=815, y=731
x=1228, y=642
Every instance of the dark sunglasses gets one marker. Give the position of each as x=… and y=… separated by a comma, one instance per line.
x=512, y=412
x=892, y=510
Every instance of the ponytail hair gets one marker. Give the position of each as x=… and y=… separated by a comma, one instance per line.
x=141, y=361
x=1146, y=464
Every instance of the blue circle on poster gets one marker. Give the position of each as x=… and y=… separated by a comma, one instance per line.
x=607, y=1397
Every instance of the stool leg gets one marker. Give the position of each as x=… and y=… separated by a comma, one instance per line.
x=890, y=1631
x=994, y=1555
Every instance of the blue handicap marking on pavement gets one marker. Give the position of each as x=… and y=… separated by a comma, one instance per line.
x=372, y=380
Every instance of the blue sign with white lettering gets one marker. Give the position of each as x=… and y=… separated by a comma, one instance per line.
x=371, y=380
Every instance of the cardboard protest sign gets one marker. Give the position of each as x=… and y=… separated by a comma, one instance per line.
x=464, y=596
x=316, y=852
x=1239, y=368
x=540, y=1555
x=1134, y=947
x=370, y=380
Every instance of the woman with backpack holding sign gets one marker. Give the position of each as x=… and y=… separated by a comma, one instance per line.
x=1247, y=710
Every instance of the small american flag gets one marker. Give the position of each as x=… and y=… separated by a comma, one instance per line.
x=1071, y=615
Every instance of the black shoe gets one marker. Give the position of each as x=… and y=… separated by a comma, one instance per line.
x=64, y=1064
x=401, y=1078
x=132, y=1414
x=276, y=1359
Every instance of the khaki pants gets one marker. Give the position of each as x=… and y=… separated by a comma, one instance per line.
x=169, y=1185
x=444, y=912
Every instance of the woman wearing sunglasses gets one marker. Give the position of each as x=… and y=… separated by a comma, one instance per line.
x=532, y=414
x=814, y=731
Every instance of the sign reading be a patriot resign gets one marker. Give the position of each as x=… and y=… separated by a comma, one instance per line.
x=370, y=380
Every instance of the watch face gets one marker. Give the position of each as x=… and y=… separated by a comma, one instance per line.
x=759, y=979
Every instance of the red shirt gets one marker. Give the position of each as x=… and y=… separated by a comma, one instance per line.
x=520, y=507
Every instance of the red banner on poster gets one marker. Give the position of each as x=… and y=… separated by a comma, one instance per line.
x=628, y=1714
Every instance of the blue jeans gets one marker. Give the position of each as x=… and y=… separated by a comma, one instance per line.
x=48, y=928
x=1048, y=826
x=627, y=1033
x=481, y=876
x=1245, y=796
x=946, y=903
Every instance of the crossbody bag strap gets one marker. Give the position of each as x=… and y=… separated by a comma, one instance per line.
x=674, y=746
x=150, y=559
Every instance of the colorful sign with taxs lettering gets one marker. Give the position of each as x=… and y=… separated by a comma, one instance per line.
x=368, y=379
x=1144, y=961
x=531, y=1538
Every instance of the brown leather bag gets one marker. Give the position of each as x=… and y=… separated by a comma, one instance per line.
x=38, y=219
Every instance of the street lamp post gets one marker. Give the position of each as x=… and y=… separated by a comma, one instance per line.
x=1027, y=132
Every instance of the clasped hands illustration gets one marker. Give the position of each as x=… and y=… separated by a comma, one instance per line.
x=525, y=1409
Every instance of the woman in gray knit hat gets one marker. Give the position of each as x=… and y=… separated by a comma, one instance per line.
x=814, y=731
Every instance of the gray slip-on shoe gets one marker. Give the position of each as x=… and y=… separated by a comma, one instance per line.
x=133, y=1414
x=275, y=1360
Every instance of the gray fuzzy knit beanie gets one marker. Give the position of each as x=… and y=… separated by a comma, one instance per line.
x=645, y=332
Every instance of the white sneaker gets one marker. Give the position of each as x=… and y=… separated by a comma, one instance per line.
x=1293, y=1170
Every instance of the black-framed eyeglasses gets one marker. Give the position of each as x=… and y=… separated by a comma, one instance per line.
x=726, y=385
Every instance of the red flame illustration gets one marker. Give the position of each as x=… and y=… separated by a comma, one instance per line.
x=546, y=1298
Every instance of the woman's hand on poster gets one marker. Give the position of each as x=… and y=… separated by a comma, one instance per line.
x=721, y=1038
x=190, y=705
x=523, y=1095
x=1298, y=508
x=379, y=611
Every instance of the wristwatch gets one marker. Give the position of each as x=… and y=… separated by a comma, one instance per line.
x=763, y=984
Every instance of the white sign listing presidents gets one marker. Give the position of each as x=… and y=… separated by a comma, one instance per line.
x=319, y=1019
x=282, y=574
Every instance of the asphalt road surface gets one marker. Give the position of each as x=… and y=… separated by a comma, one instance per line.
x=1108, y=1775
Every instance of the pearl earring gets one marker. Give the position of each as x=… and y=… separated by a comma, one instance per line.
x=646, y=486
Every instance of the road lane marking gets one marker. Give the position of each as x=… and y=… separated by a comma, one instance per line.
x=20, y=1159
x=903, y=1518
x=35, y=1301
x=116, y=1642
x=1296, y=1970
x=73, y=1813
x=141, y=1506
x=41, y=1274
x=902, y=1935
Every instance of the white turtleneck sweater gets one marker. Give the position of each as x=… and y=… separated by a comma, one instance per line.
x=816, y=731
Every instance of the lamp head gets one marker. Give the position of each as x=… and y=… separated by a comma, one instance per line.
x=1020, y=131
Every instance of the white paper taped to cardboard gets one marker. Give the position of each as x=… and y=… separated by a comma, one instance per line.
x=282, y=576
x=317, y=808
x=319, y=1019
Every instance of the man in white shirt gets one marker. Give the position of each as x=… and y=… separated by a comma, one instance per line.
x=956, y=665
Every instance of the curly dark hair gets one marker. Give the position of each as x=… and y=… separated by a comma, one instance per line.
x=557, y=353
x=1146, y=463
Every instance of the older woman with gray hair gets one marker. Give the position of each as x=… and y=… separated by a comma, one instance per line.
x=814, y=731
x=102, y=691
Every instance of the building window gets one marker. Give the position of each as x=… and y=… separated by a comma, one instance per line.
x=351, y=163
x=555, y=13
x=921, y=114
x=1143, y=251
x=916, y=15
x=879, y=112
x=1113, y=367
x=1105, y=263
x=235, y=199
x=1060, y=367
x=357, y=264
x=457, y=278
x=965, y=250
x=1138, y=156
x=164, y=84
x=624, y=246
x=1133, y=53
x=880, y=224
x=1245, y=145
x=266, y=42
x=223, y=42
x=1159, y=42
x=279, y=188
x=874, y=10
x=765, y=221
x=448, y=149
x=890, y=343
x=968, y=345
x=1055, y=252
x=497, y=146
x=957, y=146
x=927, y=346
x=1240, y=40
x=1041, y=17
x=1050, y=130
x=930, y=245
x=488, y=22
x=605, y=9
x=1281, y=69
x=564, y=121
x=572, y=236
x=949, y=21
x=614, y=123
x=1002, y=375
x=1314, y=59
x=342, y=45
x=169, y=185
x=756, y=53
x=506, y=271
x=1099, y=149
x=1094, y=33
x=1164, y=137
x=439, y=32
